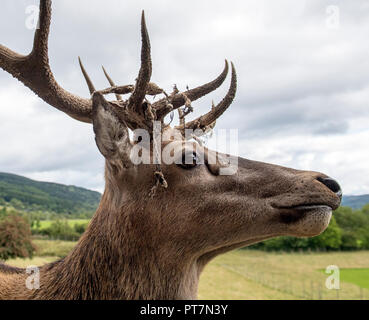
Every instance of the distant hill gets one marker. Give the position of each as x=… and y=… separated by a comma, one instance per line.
x=355, y=202
x=44, y=196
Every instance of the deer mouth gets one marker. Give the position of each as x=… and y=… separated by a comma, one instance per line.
x=295, y=213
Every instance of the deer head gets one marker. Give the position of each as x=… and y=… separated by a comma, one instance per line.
x=177, y=216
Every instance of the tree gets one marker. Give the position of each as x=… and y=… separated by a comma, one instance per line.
x=15, y=237
x=3, y=212
x=366, y=210
x=355, y=228
x=38, y=223
x=17, y=204
x=80, y=228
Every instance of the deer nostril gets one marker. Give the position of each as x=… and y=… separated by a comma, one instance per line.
x=332, y=185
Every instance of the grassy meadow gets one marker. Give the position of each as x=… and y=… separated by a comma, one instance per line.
x=251, y=274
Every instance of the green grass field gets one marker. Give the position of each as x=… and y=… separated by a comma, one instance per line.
x=250, y=274
x=53, y=248
x=359, y=277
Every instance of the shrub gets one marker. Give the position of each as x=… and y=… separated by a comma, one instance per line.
x=15, y=238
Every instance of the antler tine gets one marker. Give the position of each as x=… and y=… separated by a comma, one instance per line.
x=179, y=99
x=209, y=118
x=41, y=39
x=111, y=82
x=144, y=76
x=90, y=85
x=34, y=71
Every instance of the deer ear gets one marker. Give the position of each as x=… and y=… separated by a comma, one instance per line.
x=111, y=135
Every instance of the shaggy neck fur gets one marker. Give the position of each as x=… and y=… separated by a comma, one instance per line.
x=111, y=261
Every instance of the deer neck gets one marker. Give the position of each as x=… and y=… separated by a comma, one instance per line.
x=113, y=261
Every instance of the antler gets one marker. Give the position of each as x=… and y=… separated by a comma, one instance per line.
x=111, y=82
x=144, y=76
x=90, y=85
x=179, y=99
x=208, y=119
x=136, y=112
x=34, y=71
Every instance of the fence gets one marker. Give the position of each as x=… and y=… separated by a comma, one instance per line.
x=298, y=287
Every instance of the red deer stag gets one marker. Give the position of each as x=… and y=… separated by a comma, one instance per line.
x=158, y=225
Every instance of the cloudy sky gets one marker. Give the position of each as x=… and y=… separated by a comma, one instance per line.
x=303, y=68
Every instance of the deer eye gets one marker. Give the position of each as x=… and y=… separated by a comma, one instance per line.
x=189, y=160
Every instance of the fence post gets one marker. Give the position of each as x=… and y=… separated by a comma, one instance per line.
x=291, y=289
x=274, y=285
x=320, y=291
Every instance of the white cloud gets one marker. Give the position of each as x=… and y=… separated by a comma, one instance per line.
x=343, y=157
